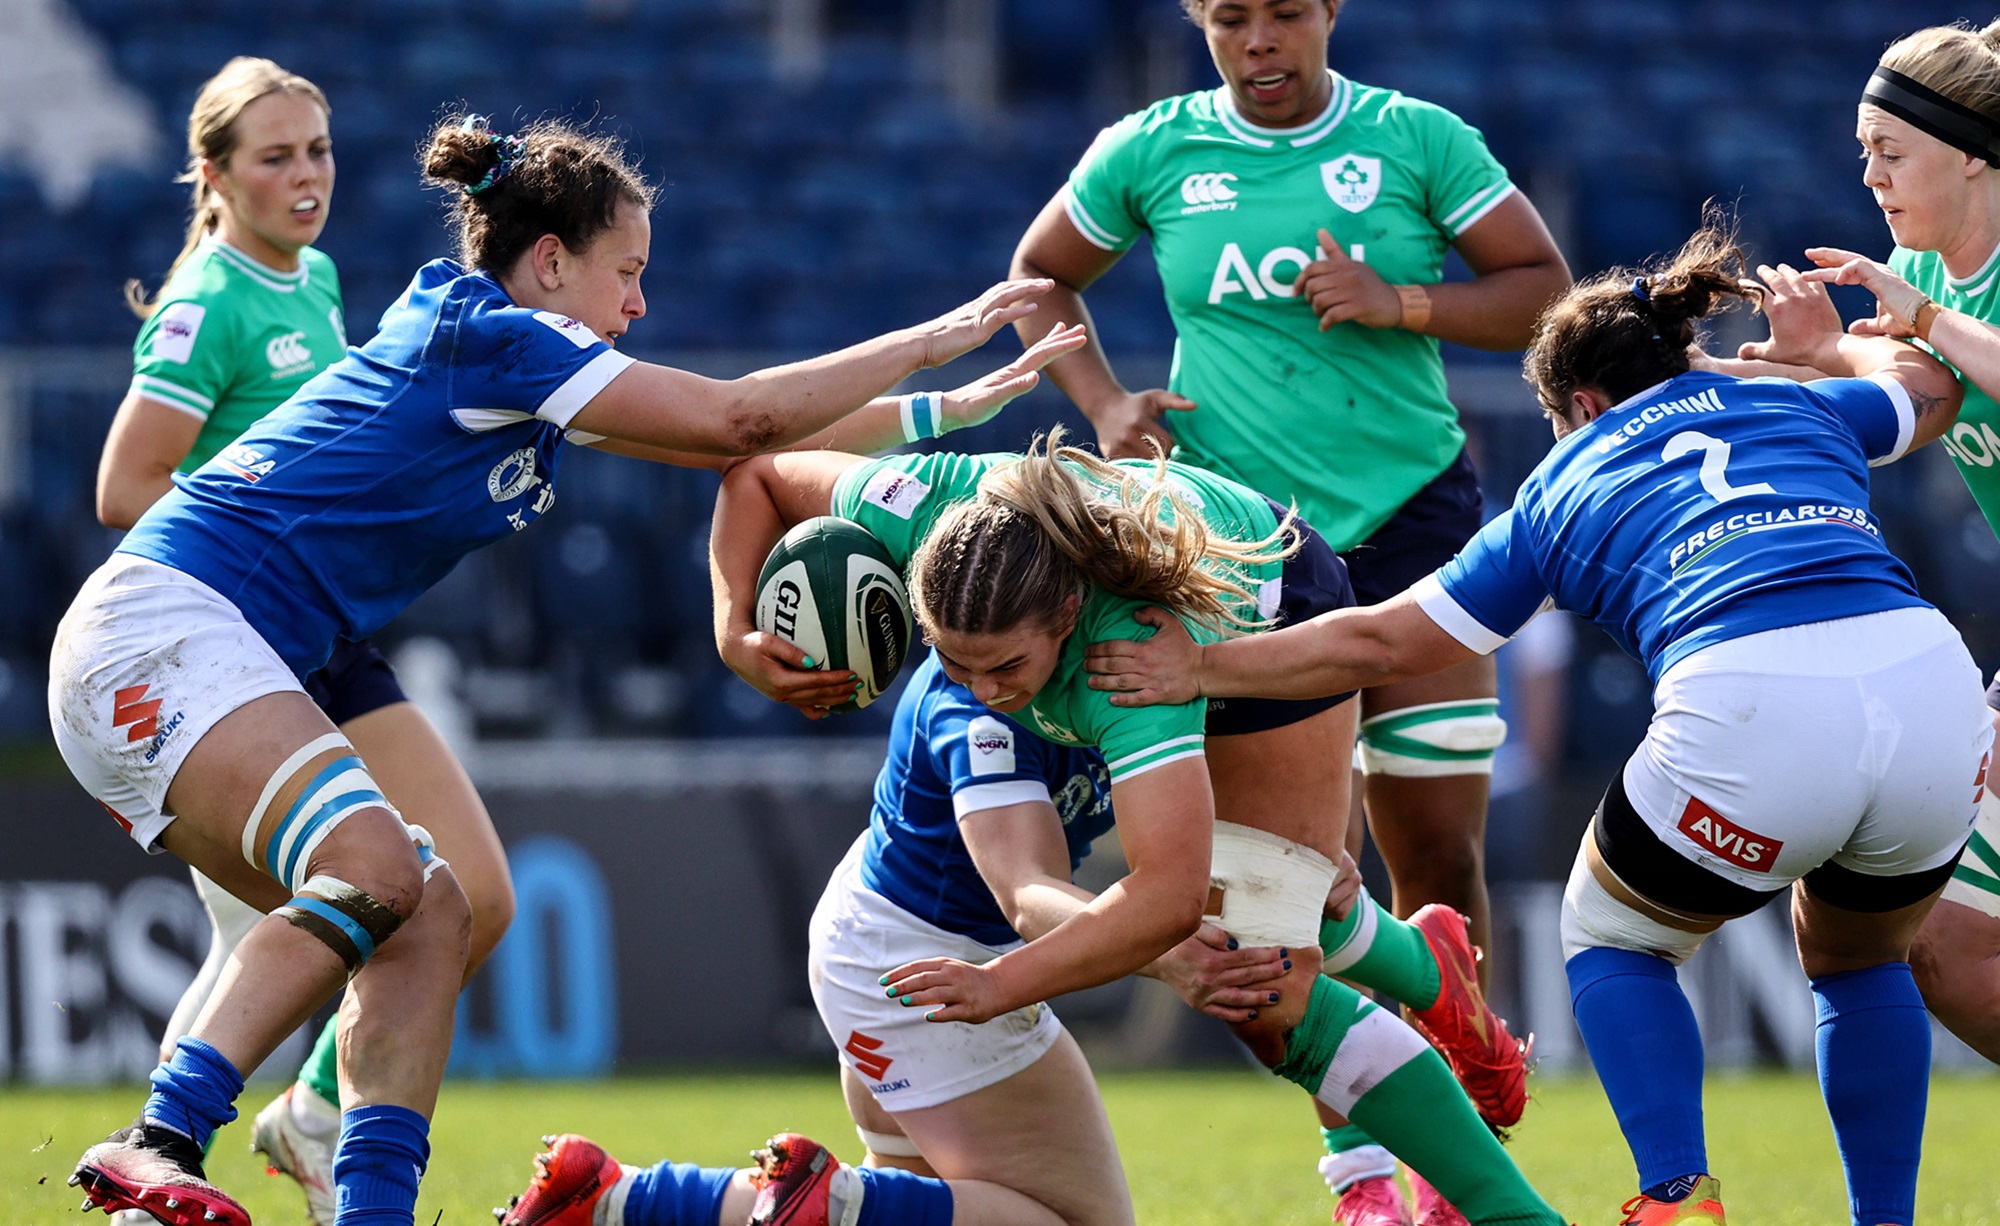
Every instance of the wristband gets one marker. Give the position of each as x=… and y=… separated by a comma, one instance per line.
x=1416, y=307
x=1926, y=315
x=923, y=415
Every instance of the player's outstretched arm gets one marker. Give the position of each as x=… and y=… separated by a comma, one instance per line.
x=1053, y=248
x=659, y=406
x=1169, y=816
x=759, y=500
x=1346, y=649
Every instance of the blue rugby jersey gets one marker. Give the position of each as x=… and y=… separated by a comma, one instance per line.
x=1703, y=509
x=950, y=755
x=328, y=517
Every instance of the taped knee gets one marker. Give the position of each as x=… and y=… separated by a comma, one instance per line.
x=305, y=800
x=1438, y=738
x=348, y=920
x=1595, y=916
x=1265, y=889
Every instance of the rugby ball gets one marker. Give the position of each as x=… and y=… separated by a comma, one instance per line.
x=830, y=587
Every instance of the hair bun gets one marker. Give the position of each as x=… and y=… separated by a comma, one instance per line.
x=459, y=153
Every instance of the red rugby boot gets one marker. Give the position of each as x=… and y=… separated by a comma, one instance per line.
x=1488, y=1061
x=794, y=1180
x=1372, y=1202
x=569, y=1179
x=158, y=1171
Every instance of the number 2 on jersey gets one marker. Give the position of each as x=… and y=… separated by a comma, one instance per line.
x=1714, y=459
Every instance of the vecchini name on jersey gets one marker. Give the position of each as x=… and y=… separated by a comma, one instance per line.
x=1703, y=509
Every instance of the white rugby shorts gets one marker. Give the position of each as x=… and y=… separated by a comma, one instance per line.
x=146, y=661
x=856, y=936
x=1862, y=741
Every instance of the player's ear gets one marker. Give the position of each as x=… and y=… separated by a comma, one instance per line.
x=550, y=258
x=213, y=174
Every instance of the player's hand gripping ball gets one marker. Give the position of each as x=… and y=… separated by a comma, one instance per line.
x=832, y=589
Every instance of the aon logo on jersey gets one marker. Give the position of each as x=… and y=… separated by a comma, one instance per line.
x=1270, y=277
x=1973, y=446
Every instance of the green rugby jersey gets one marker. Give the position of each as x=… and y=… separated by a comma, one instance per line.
x=1350, y=422
x=899, y=498
x=1974, y=443
x=232, y=339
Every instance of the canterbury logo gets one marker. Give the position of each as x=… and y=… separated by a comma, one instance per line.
x=867, y=1055
x=287, y=351
x=1209, y=190
x=128, y=707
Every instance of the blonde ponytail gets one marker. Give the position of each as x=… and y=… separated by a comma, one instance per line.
x=1060, y=520
x=212, y=138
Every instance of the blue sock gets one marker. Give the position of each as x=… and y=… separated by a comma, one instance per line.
x=1874, y=1041
x=677, y=1194
x=195, y=1092
x=377, y=1164
x=1643, y=1040
x=898, y=1198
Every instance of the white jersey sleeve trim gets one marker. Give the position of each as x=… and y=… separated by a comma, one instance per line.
x=582, y=438
x=1906, y=417
x=172, y=395
x=1452, y=618
x=568, y=400
x=1135, y=772
x=983, y=796
x=1086, y=225
x=479, y=421
x=1468, y=214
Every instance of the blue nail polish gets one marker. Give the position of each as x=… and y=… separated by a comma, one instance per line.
x=1274, y=998
x=1284, y=953
x=1288, y=964
x=1253, y=1015
x=1232, y=942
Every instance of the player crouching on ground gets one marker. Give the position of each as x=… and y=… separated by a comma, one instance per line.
x=1818, y=725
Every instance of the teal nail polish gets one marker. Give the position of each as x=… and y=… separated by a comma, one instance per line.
x=930, y=1017
x=892, y=993
x=908, y=1002
x=809, y=663
x=884, y=981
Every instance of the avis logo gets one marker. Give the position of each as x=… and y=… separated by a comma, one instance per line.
x=1715, y=833
x=246, y=462
x=288, y=354
x=1208, y=192
x=866, y=1052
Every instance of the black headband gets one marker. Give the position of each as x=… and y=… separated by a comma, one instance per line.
x=1929, y=111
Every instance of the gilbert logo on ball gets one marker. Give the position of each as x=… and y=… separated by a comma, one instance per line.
x=830, y=588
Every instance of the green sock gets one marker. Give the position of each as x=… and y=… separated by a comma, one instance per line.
x=1377, y=950
x=1366, y=1064
x=319, y=1074
x=1423, y=1117
x=1340, y=1140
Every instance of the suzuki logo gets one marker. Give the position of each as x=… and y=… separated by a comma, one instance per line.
x=144, y=716
x=867, y=1057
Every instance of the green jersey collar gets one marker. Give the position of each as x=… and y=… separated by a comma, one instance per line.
x=1337, y=106
x=1980, y=281
x=263, y=274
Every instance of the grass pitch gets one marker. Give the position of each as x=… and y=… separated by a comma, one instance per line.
x=1201, y=1149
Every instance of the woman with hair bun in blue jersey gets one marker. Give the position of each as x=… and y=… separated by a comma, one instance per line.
x=175, y=681
x=1817, y=726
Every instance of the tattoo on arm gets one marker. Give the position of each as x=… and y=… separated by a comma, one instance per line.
x=1925, y=404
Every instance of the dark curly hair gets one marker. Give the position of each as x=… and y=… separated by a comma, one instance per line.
x=557, y=179
x=1624, y=330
